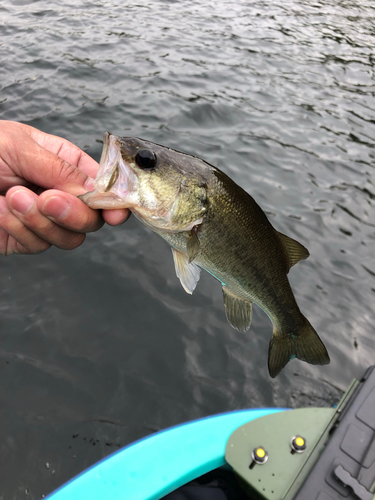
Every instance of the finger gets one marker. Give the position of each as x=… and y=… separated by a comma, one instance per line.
x=66, y=150
x=31, y=161
x=116, y=217
x=32, y=223
x=59, y=146
x=54, y=172
x=69, y=212
x=9, y=245
x=15, y=237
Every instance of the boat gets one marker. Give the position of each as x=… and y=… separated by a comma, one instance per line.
x=262, y=454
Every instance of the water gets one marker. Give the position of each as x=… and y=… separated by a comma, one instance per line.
x=101, y=346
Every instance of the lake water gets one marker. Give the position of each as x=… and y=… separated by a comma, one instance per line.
x=101, y=345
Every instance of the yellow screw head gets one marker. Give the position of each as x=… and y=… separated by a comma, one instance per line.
x=300, y=441
x=298, y=444
x=259, y=455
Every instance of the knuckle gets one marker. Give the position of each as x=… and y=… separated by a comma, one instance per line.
x=66, y=172
x=19, y=248
x=16, y=238
x=73, y=241
x=85, y=221
x=12, y=225
x=4, y=238
x=41, y=247
x=4, y=242
x=92, y=222
x=32, y=247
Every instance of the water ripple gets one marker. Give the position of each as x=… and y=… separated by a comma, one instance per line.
x=278, y=95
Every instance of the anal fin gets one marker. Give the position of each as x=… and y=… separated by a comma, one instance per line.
x=237, y=310
x=188, y=272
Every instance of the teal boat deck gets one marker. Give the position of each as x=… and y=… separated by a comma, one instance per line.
x=158, y=464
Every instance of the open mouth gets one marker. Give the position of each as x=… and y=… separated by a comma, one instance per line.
x=112, y=180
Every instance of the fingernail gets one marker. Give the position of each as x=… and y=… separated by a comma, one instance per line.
x=3, y=206
x=21, y=202
x=89, y=184
x=56, y=207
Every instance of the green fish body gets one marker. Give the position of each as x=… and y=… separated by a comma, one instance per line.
x=211, y=223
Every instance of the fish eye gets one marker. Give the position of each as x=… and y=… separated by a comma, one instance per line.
x=145, y=159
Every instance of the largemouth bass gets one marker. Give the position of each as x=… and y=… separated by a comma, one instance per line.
x=211, y=223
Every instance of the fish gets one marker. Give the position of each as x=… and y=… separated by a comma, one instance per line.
x=211, y=223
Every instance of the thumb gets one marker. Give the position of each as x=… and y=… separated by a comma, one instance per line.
x=26, y=160
x=46, y=169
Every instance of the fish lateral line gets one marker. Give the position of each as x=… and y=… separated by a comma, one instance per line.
x=210, y=222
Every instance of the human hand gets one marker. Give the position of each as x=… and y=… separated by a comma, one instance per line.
x=40, y=178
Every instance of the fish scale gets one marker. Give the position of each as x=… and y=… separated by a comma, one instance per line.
x=211, y=223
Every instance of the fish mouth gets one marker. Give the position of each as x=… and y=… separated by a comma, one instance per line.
x=113, y=179
x=96, y=199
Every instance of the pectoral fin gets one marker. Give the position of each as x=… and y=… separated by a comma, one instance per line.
x=238, y=310
x=187, y=272
x=193, y=244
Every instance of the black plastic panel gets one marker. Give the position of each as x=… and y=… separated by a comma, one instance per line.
x=352, y=446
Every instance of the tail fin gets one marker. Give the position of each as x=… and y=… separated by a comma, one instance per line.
x=303, y=344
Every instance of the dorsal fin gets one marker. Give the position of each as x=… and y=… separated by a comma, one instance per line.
x=294, y=250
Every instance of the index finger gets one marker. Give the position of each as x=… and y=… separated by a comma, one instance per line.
x=116, y=216
x=69, y=212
